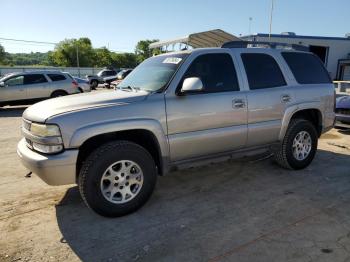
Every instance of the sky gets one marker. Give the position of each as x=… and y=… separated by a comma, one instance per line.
x=119, y=25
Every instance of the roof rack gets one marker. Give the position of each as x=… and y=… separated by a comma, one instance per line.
x=274, y=45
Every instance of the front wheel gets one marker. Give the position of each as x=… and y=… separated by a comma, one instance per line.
x=94, y=84
x=299, y=145
x=117, y=178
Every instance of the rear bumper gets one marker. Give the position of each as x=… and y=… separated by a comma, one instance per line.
x=342, y=121
x=54, y=170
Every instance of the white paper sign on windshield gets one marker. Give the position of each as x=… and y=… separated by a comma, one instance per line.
x=172, y=60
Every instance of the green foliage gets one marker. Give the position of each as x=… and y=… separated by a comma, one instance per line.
x=142, y=49
x=66, y=51
x=125, y=60
x=65, y=54
x=2, y=54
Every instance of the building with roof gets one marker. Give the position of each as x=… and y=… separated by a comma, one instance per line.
x=333, y=51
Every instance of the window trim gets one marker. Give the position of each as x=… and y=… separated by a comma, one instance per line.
x=280, y=68
x=235, y=67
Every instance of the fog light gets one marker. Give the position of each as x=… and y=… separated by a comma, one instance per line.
x=47, y=149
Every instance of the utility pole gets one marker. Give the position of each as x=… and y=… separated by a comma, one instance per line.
x=271, y=11
x=77, y=49
x=250, y=25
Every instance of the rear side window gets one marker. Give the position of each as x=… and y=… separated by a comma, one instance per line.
x=306, y=68
x=216, y=71
x=56, y=77
x=262, y=71
x=34, y=79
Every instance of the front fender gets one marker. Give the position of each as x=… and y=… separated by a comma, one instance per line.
x=290, y=111
x=84, y=133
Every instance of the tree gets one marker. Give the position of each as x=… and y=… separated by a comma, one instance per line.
x=142, y=49
x=103, y=57
x=124, y=60
x=2, y=54
x=66, y=51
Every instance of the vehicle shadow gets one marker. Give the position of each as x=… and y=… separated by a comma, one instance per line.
x=200, y=213
x=16, y=111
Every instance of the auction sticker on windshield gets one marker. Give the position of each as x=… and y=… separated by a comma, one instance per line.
x=172, y=60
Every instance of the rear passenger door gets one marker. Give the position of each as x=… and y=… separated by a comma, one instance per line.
x=36, y=86
x=268, y=95
x=59, y=82
x=213, y=120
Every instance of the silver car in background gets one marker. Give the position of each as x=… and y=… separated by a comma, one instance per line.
x=83, y=84
x=20, y=88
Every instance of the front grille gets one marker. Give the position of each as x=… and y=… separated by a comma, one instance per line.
x=343, y=111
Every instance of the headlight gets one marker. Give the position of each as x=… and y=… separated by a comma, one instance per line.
x=44, y=130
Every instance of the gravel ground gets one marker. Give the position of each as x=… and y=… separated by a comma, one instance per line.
x=248, y=210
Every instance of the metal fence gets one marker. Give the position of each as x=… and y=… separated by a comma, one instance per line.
x=74, y=71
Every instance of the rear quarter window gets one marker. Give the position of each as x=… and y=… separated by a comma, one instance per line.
x=56, y=77
x=306, y=68
x=262, y=71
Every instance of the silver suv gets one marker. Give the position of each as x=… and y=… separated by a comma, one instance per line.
x=20, y=88
x=176, y=109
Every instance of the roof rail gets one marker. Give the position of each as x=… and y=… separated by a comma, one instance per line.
x=274, y=45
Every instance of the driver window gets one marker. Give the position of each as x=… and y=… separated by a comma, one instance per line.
x=14, y=81
x=216, y=71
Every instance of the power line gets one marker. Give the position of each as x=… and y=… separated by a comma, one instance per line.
x=27, y=41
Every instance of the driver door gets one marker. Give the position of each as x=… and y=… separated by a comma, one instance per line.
x=13, y=89
x=210, y=121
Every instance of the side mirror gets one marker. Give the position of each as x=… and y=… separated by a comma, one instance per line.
x=2, y=84
x=192, y=84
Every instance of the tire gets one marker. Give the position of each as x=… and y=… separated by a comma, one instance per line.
x=95, y=176
x=58, y=93
x=286, y=156
x=94, y=84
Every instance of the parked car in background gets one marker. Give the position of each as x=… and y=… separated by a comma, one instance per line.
x=83, y=84
x=20, y=88
x=120, y=76
x=342, y=112
x=108, y=74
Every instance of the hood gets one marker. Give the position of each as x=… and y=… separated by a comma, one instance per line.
x=343, y=102
x=43, y=110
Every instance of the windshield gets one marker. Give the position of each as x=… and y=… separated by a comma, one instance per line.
x=154, y=73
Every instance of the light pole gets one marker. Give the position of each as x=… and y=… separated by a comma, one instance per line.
x=77, y=50
x=271, y=11
x=250, y=24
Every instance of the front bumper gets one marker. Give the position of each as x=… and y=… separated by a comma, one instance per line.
x=59, y=169
x=342, y=121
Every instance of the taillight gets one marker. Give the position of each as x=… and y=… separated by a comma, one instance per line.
x=75, y=83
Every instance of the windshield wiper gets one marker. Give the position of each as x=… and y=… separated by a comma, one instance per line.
x=134, y=89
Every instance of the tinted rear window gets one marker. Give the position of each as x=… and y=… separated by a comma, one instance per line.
x=306, y=68
x=56, y=77
x=34, y=79
x=262, y=71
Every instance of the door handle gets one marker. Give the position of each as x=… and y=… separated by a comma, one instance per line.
x=285, y=98
x=238, y=103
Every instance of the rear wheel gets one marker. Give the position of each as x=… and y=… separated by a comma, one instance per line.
x=59, y=93
x=117, y=178
x=299, y=145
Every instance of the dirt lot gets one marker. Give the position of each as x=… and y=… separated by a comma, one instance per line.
x=248, y=210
